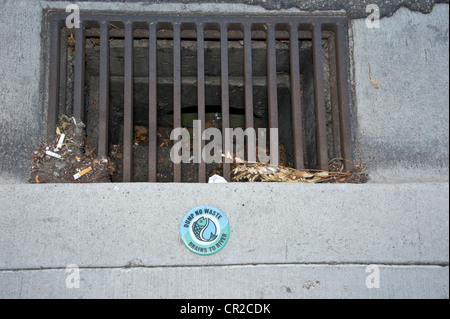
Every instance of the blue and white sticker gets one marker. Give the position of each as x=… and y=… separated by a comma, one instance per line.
x=205, y=230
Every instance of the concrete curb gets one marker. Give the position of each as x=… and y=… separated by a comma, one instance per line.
x=52, y=226
x=231, y=282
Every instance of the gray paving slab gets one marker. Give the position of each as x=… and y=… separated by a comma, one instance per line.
x=47, y=226
x=231, y=282
x=402, y=128
x=21, y=110
x=355, y=9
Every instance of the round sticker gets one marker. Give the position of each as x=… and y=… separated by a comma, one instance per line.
x=204, y=230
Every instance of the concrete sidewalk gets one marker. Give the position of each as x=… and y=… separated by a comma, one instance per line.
x=231, y=282
x=284, y=234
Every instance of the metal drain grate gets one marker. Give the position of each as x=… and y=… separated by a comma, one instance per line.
x=199, y=28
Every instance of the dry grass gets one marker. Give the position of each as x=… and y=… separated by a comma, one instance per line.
x=258, y=172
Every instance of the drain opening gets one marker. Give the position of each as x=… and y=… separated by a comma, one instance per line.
x=142, y=79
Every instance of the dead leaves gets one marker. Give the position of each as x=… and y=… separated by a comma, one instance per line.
x=71, y=42
x=258, y=172
x=140, y=134
x=265, y=173
x=95, y=42
x=302, y=175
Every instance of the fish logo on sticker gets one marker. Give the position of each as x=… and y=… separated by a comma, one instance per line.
x=204, y=230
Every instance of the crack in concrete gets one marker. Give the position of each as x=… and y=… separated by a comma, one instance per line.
x=246, y=265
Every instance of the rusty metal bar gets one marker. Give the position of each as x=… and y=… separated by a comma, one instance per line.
x=248, y=75
x=296, y=99
x=63, y=71
x=205, y=18
x=153, y=104
x=209, y=34
x=79, y=73
x=248, y=79
x=201, y=97
x=103, y=102
x=176, y=91
x=343, y=95
x=128, y=105
x=319, y=99
x=334, y=98
x=225, y=91
x=272, y=90
x=54, y=80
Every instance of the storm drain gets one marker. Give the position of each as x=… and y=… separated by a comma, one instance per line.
x=134, y=78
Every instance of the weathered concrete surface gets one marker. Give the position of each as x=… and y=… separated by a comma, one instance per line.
x=20, y=99
x=403, y=127
x=293, y=234
x=230, y=282
x=48, y=226
x=355, y=9
x=296, y=235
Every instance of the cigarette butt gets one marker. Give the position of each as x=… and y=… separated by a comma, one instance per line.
x=83, y=172
x=49, y=153
x=61, y=141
